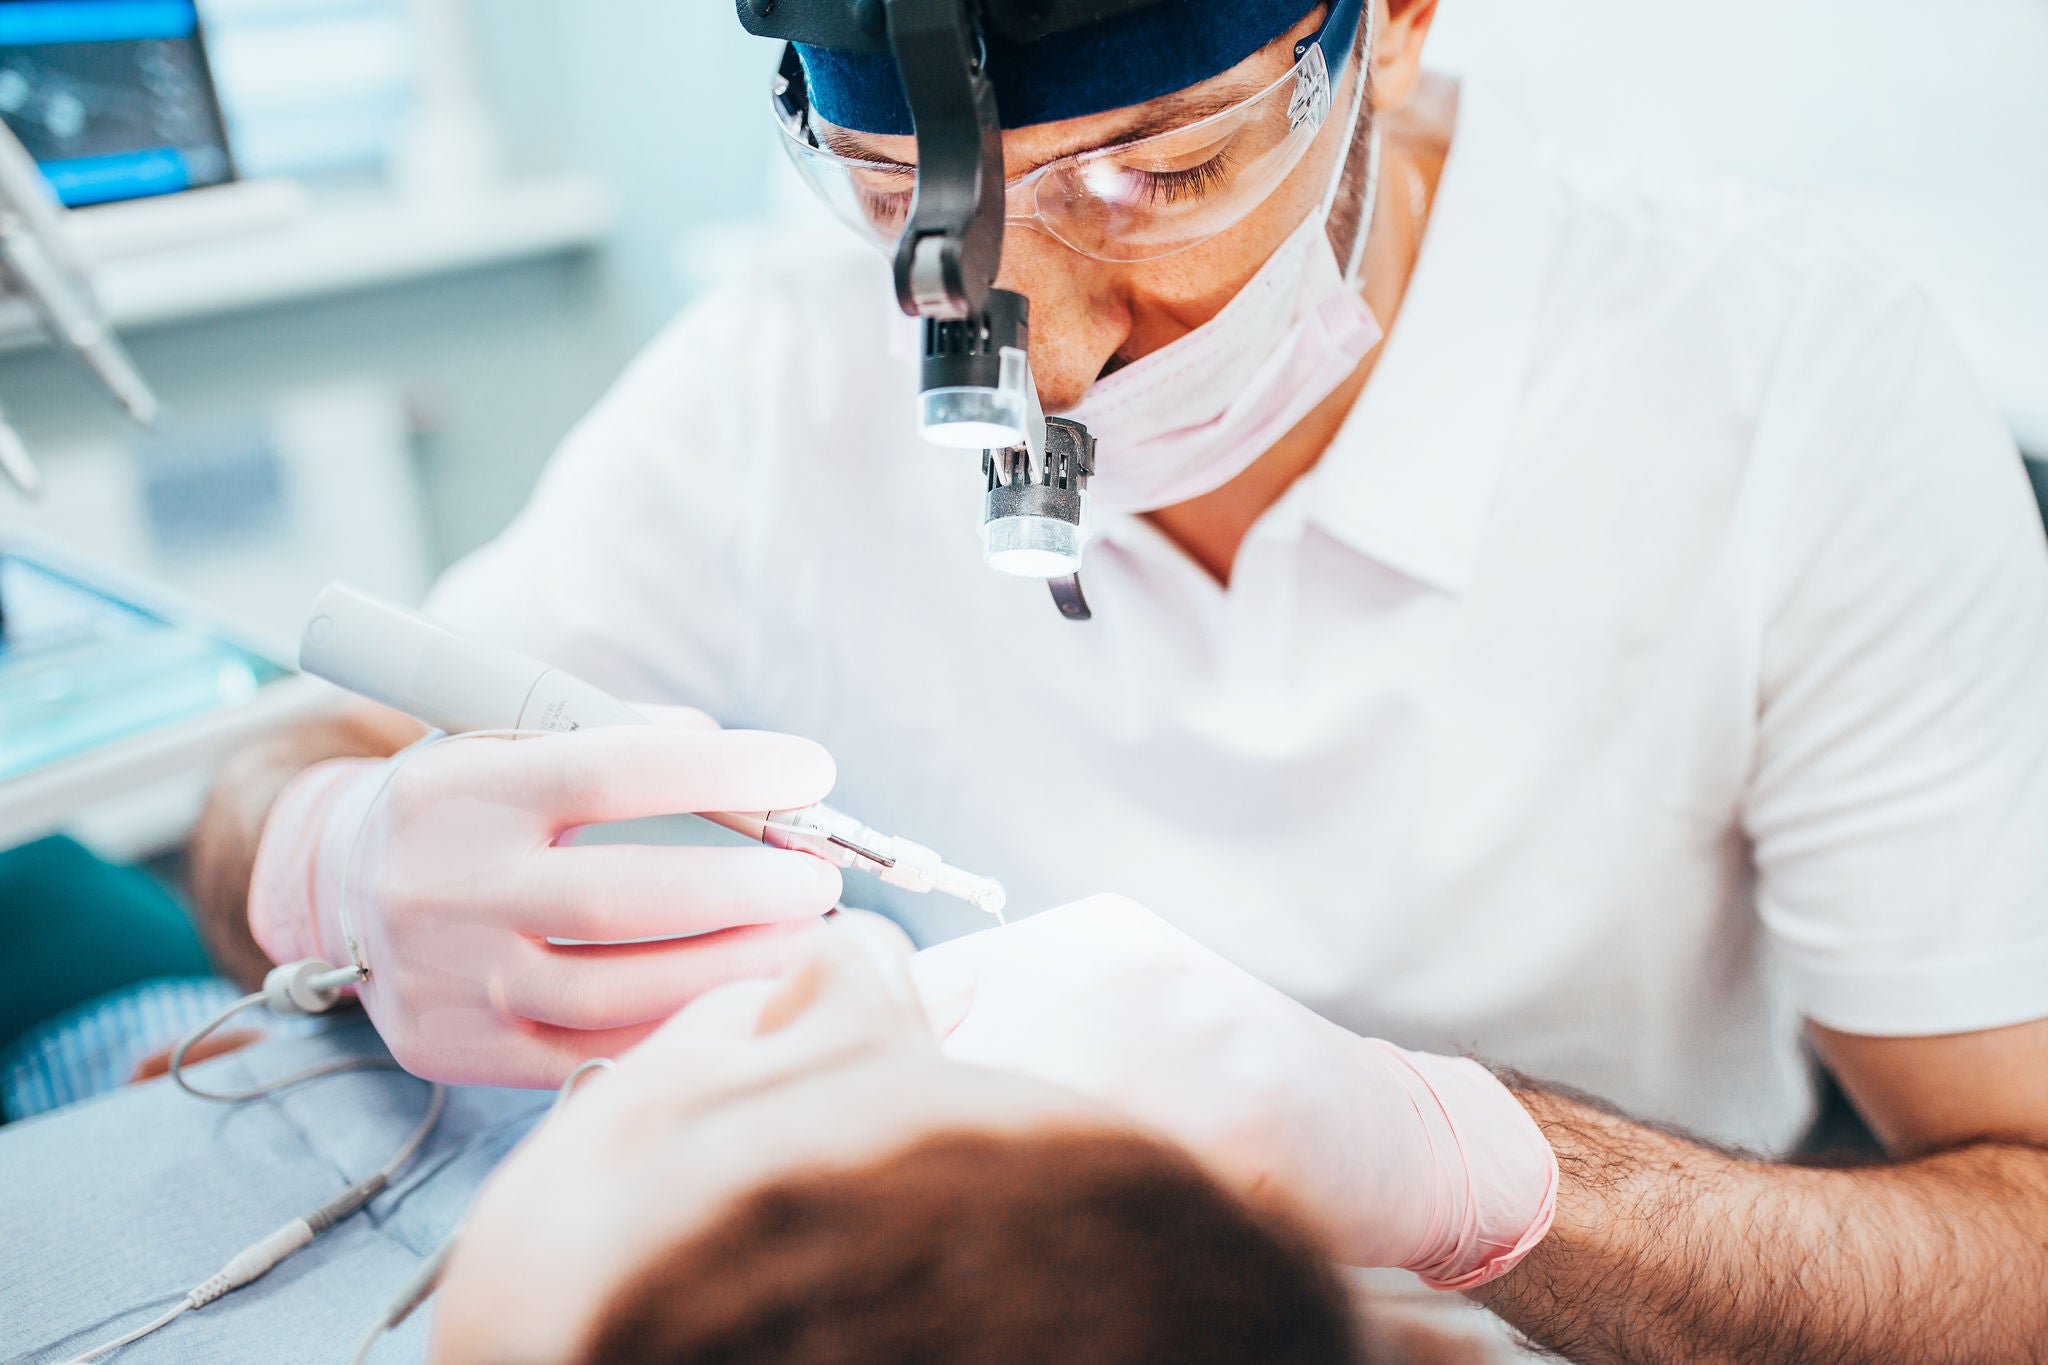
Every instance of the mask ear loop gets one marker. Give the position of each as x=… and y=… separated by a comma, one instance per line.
x=1355, y=267
x=1355, y=258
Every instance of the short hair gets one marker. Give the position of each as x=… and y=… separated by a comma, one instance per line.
x=1042, y=1249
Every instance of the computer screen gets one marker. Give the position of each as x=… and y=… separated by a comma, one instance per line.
x=113, y=98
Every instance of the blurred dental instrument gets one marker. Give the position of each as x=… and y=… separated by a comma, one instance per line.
x=36, y=259
x=15, y=461
x=459, y=683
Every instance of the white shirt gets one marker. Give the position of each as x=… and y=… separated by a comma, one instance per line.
x=1659, y=654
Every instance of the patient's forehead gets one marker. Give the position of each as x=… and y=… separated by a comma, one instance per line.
x=871, y=1105
x=581, y=1209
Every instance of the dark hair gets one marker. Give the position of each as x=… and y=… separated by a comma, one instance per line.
x=1051, y=1249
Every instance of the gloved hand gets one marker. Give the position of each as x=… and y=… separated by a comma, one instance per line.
x=1402, y=1159
x=456, y=882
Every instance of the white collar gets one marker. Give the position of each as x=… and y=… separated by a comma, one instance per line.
x=1409, y=477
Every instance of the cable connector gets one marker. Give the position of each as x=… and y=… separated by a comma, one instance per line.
x=308, y=986
x=253, y=1262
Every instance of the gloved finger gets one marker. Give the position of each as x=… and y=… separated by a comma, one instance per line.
x=540, y=1056
x=612, y=893
x=856, y=980
x=627, y=772
x=677, y=717
x=600, y=988
x=475, y=1046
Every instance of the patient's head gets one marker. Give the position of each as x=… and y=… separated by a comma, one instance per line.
x=791, y=1172
x=967, y=1247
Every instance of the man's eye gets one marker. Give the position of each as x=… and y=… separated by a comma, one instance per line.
x=885, y=209
x=1192, y=182
x=885, y=199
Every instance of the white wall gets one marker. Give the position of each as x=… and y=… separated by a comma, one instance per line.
x=1924, y=123
x=666, y=99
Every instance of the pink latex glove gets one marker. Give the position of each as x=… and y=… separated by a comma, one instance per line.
x=457, y=884
x=1403, y=1159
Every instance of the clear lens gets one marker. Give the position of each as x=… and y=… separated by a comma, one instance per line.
x=1133, y=202
x=1032, y=547
x=1177, y=190
x=971, y=419
x=873, y=200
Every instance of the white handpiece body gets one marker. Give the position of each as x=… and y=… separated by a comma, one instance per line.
x=461, y=684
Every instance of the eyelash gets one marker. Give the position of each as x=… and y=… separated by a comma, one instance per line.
x=887, y=205
x=1173, y=186
x=1168, y=187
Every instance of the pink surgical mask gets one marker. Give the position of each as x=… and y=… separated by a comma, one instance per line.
x=1191, y=417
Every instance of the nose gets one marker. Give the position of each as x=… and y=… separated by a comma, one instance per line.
x=1079, y=317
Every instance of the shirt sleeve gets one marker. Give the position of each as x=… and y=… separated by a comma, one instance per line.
x=1898, y=807
x=628, y=565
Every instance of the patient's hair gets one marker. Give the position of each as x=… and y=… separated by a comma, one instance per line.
x=1043, y=1250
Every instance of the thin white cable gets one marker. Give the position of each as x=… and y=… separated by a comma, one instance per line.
x=259, y=1258
x=198, y=1035
x=107, y=1348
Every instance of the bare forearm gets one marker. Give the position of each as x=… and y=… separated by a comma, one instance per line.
x=1667, y=1250
x=224, y=841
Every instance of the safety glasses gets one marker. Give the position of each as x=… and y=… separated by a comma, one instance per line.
x=1135, y=201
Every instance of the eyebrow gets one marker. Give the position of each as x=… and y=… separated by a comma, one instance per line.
x=1150, y=120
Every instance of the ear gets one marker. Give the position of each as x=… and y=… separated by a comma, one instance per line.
x=1397, y=50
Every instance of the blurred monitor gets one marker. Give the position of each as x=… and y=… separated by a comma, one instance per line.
x=113, y=98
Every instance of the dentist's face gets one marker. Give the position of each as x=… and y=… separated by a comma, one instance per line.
x=833, y=1067
x=1089, y=317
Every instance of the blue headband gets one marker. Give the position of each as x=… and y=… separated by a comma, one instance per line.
x=1110, y=65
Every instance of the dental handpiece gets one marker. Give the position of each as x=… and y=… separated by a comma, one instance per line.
x=36, y=255
x=459, y=683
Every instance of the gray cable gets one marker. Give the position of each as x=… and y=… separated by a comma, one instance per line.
x=427, y=1278
x=259, y=1258
x=206, y=1030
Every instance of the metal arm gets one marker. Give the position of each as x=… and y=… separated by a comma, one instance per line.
x=36, y=260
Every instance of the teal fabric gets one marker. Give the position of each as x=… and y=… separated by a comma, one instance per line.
x=73, y=927
x=93, y=1049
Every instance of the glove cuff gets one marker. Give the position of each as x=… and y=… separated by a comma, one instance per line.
x=290, y=882
x=1497, y=1172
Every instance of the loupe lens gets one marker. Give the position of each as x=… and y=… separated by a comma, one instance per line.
x=972, y=418
x=1032, y=547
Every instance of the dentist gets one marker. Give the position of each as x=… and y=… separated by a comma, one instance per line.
x=1541, y=614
